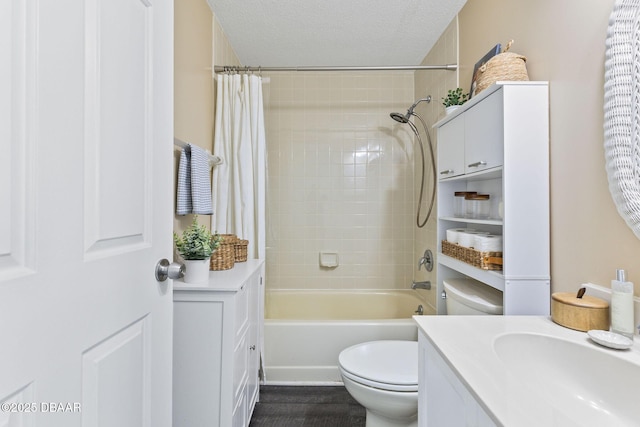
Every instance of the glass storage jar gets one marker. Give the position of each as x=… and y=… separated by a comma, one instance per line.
x=459, y=204
x=478, y=206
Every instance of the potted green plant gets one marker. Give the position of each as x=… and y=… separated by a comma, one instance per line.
x=454, y=99
x=195, y=246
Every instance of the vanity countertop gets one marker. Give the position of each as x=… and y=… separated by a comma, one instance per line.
x=223, y=280
x=515, y=390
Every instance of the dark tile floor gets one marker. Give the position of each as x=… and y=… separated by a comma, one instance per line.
x=302, y=406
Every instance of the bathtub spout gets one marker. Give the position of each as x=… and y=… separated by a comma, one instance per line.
x=421, y=285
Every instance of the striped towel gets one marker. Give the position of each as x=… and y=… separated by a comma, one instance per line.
x=194, y=182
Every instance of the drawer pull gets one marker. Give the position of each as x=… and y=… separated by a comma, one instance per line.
x=446, y=172
x=476, y=164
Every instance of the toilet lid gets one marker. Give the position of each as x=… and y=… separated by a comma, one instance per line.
x=474, y=294
x=389, y=365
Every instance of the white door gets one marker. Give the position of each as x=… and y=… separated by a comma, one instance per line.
x=86, y=95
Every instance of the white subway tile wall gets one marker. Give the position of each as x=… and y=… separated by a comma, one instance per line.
x=341, y=172
x=340, y=179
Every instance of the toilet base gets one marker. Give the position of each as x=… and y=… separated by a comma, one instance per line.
x=385, y=408
x=377, y=420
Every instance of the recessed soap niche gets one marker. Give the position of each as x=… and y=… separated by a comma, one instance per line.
x=329, y=259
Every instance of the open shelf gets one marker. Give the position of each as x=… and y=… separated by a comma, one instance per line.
x=492, y=173
x=490, y=221
x=495, y=279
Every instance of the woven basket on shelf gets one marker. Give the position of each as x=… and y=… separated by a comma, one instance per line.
x=483, y=260
x=506, y=66
x=224, y=257
x=241, y=250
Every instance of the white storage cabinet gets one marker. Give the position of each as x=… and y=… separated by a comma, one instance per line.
x=498, y=143
x=217, y=344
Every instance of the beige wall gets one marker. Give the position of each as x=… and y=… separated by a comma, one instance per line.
x=565, y=44
x=223, y=54
x=193, y=119
x=435, y=84
x=193, y=106
x=340, y=178
x=199, y=43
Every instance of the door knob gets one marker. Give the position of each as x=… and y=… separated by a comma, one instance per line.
x=165, y=269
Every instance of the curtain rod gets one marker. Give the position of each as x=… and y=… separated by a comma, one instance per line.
x=224, y=68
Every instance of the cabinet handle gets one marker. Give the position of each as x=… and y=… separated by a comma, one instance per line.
x=253, y=347
x=476, y=164
x=446, y=172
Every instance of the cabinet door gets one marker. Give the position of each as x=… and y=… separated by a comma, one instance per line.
x=451, y=148
x=255, y=319
x=443, y=400
x=484, y=134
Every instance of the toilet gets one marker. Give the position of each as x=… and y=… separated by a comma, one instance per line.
x=470, y=297
x=383, y=375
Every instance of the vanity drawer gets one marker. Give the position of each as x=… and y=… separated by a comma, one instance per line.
x=240, y=367
x=242, y=311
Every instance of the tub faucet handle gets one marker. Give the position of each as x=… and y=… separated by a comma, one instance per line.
x=426, y=260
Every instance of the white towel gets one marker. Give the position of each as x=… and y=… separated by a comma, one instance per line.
x=194, y=182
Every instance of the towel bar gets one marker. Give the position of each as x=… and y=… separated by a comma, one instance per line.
x=213, y=160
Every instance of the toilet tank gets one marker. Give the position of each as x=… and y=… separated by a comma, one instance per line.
x=468, y=296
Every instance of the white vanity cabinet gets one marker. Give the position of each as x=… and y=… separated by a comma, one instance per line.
x=444, y=399
x=502, y=138
x=216, y=347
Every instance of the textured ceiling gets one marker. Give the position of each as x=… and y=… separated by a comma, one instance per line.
x=291, y=33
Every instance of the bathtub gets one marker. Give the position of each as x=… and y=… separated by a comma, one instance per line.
x=305, y=331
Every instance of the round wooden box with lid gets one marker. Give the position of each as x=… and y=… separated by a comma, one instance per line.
x=579, y=312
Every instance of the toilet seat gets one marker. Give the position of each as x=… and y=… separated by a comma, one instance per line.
x=387, y=365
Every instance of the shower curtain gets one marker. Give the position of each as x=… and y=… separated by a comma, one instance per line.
x=239, y=184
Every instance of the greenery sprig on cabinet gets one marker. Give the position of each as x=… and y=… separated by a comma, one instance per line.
x=197, y=242
x=455, y=97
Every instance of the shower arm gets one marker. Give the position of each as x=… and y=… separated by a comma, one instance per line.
x=415, y=104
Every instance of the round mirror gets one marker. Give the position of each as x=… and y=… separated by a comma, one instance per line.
x=622, y=110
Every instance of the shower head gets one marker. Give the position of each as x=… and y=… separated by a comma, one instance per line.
x=399, y=117
x=405, y=118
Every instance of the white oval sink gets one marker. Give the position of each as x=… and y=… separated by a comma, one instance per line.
x=587, y=383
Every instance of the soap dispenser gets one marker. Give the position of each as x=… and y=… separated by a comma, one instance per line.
x=622, y=321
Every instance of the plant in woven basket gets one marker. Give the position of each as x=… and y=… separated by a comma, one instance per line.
x=196, y=242
x=455, y=97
